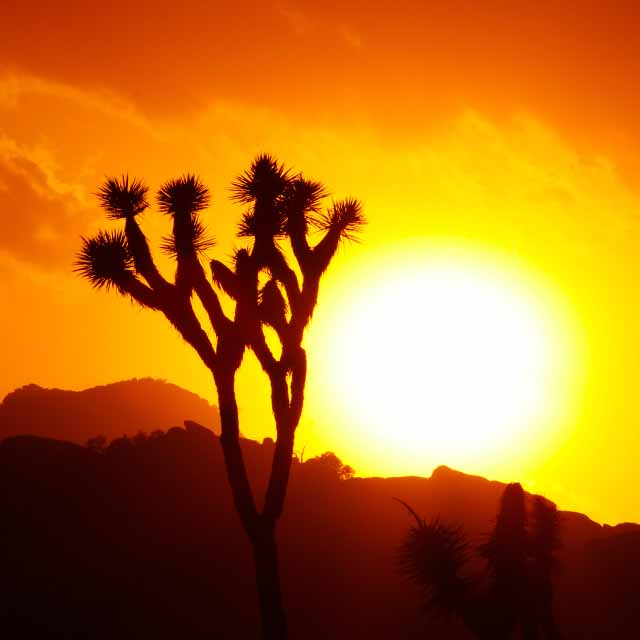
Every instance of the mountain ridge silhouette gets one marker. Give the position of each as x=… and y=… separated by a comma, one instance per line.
x=112, y=410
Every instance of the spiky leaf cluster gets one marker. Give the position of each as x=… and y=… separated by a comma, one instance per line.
x=433, y=555
x=105, y=260
x=264, y=181
x=122, y=197
x=263, y=186
x=282, y=203
x=192, y=237
x=183, y=195
x=183, y=198
x=345, y=216
x=301, y=202
x=262, y=223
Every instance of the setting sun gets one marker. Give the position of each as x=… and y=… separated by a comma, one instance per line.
x=449, y=359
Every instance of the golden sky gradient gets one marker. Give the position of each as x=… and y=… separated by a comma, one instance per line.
x=504, y=131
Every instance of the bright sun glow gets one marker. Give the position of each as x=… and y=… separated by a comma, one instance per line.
x=447, y=358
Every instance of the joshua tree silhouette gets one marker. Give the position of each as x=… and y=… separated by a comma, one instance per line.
x=518, y=592
x=280, y=205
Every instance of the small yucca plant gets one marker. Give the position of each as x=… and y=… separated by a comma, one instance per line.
x=435, y=556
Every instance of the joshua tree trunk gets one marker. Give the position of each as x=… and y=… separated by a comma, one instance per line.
x=233, y=458
x=260, y=528
x=265, y=554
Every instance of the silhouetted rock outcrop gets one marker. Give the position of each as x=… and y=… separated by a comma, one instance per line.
x=111, y=410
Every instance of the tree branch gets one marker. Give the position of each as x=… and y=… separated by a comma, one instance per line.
x=224, y=278
x=298, y=381
x=179, y=312
x=281, y=271
x=141, y=253
x=281, y=464
x=209, y=299
x=324, y=251
x=234, y=460
x=297, y=230
x=140, y=292
x=302, y=313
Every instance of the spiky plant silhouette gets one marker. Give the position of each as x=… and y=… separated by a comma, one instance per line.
x=515, y=590
x=281, y=205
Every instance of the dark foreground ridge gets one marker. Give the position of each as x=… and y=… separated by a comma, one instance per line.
x=140, y=540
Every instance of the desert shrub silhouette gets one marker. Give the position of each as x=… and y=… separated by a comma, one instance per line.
x=328, y=465
x=514, y=591
x=281, y=205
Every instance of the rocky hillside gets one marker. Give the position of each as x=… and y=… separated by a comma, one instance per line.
x=112, y=410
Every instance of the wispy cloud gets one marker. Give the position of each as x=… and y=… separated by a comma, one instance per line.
x=350, y=36
x=39, y=210
x=295, y=18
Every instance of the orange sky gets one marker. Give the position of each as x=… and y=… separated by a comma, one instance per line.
x=507, y=127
